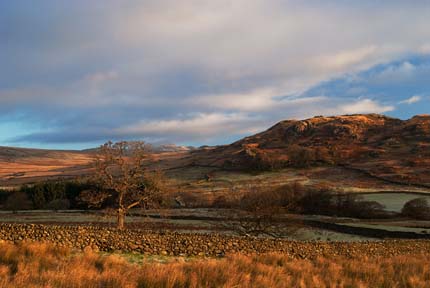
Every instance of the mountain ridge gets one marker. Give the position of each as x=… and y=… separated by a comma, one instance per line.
x=395, y=149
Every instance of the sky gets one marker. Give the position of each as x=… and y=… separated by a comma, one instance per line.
x=75, y=74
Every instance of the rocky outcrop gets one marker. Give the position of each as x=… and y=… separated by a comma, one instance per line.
x=389, y=148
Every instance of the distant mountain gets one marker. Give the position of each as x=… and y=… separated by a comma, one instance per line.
x=156, y=148
x=393, y=149
x=171, y=148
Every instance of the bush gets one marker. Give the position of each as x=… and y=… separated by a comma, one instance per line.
x=316, y=201
x=3, y=195
x=418, y=208
x=300, y=157
x=44, y=193
x=189, y=199
x=18, y=201
x=323, y=155
x=221, y=202
x=295, y=198
x=58, y=204
x=322, y=201
x=356, y=207
x=260, y=210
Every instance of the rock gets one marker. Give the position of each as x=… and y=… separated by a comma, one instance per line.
x=107, y=239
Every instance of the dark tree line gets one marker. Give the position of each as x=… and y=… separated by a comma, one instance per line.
x=54, y=195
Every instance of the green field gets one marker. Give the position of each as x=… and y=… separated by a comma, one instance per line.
x=393, y=201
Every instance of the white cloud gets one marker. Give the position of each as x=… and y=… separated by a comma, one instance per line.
x=236, y=47
x=264, y=100
x=364, y=106
x=216, y=62
x=258, y=100
x=245, y=39
x=412, y=100
x=348, y=58
x=396, y=73
x=199, y=126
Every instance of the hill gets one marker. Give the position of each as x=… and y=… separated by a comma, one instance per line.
x=24, y=165
x=363, y=150
x=389, y=148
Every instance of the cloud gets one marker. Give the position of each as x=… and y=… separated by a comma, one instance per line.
x=257, y=100
x=260, y=100
x=348, y=58
x=100, y=77
x=425, y=49
x=395, y=73
x=412, y=100
x=134, y=65
x=364, y=106
x=203, y=126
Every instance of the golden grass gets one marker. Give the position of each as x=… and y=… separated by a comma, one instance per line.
x=46, y=265
x=20, y=165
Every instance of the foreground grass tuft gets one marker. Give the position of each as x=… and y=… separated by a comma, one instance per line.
x=46, y=265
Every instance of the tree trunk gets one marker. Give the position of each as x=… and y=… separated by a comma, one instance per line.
x=120, y=219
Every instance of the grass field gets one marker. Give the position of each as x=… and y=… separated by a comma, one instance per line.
x=44, y=265
x=393, y=201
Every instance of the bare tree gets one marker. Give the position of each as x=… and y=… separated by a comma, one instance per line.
x=121, y=177
x=263, y=211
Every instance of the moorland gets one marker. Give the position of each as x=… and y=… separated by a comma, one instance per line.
x=332, y=182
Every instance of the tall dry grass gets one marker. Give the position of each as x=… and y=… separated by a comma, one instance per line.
x=45, y=265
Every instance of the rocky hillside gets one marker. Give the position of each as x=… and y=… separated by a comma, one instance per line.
x=393, y=149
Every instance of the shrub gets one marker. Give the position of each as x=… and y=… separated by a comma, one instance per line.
x=58, y=204
x=221, y=201
x=3, y=195
x=355, y=206
x=316, y=201
x=290, y=196
x=18, y=201
x=321, y=200
x=295, y=198
x=255, y=219
x=43, y=193
x=261, y=211
x=323, y=155
x=189, y=199
x=256, y=159
x=418, y=208
x=300, y=157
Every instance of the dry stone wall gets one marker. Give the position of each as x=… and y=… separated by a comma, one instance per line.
x=140, y=241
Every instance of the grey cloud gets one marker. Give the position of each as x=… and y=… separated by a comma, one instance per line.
x=203, y=127
x=91, y=70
